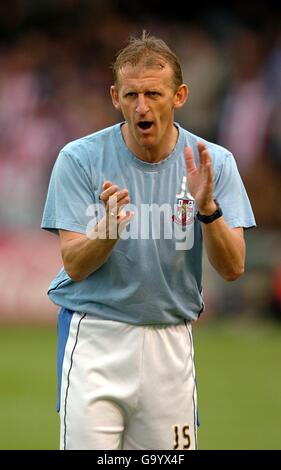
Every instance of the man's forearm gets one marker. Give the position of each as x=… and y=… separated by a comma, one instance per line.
x=82, y=255
x=225, y=248
x=85, y=256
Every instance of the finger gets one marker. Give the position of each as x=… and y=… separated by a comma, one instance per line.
x=122, y=202
x=189, y=159
x=105, y=195
x=124, y=220
x=116, y=204
x=116, y=210
x=207, y=166
x=201, y=148
x=204, y=155
x=126, y=217
x=210, y=175
x=106, y=184
x=207, y=158
x=118, y=198
x=121, y=194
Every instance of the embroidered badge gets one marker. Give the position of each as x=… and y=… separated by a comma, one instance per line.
x=185, y=212
x=185, y=206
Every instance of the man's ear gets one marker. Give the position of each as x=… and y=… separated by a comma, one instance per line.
x=114, y=97
x=181, y=96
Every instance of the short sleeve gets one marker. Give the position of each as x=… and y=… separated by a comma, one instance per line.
x=232, y=197
x=70, y=193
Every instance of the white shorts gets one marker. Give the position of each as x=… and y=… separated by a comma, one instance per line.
x=126, y=387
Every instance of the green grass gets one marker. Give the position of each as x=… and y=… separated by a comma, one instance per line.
x=28, y=388
x=239, y=386
x=238, y=375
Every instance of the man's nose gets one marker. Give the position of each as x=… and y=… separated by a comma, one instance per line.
x=142, y=107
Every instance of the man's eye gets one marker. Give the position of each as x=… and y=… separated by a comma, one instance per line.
x=130, y=94
x=153, y=93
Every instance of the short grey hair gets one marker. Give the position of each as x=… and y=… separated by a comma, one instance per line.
x=147, y=50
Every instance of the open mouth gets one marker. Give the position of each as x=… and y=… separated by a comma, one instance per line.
x=144, y=125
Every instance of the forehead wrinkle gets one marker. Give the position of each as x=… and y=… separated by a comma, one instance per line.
x=142, y=84
x=139, y=76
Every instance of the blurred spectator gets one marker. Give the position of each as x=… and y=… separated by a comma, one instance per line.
x=273, y=81
x=245, y=120
x=248, y=122
x=205, y=73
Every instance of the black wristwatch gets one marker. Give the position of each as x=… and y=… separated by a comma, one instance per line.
x=207, y=219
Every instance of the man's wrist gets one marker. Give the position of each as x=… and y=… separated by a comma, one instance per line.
x=208, y=209
x=210, y=217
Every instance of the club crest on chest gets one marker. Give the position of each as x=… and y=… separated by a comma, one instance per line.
x=185, y=211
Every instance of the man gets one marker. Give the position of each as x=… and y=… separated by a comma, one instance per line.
x=130, y=289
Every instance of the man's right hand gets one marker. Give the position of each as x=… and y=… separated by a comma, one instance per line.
x=114, y=201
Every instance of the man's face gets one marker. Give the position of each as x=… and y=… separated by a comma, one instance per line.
x=147, y=98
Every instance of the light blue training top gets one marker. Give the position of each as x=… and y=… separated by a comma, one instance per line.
x=146, y=279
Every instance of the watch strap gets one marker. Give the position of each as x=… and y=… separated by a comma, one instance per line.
x=207, y=219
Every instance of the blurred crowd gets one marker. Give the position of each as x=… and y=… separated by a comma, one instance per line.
x=55, y=76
